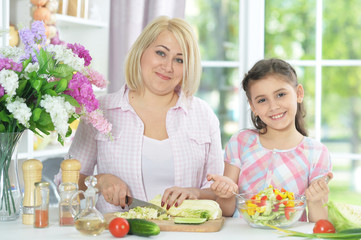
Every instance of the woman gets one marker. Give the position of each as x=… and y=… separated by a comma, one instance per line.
x=165, y=140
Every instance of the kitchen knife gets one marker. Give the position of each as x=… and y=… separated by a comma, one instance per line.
x=139, y=203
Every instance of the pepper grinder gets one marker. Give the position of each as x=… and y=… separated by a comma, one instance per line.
x=70, y=169
x=32, y=170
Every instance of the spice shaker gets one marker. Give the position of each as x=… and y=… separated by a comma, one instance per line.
x=32, y=170
x=41, y=205
x=70, y=170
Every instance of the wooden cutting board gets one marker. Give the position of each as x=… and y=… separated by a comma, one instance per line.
x=170, y=226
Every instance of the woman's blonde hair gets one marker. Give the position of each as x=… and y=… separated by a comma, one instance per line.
x=185, y=36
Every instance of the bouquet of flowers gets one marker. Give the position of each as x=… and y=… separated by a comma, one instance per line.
x=46, y=87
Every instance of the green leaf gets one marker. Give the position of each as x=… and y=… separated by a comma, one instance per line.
x=49, y=85
x=22, y=85
x=26, y=63
x=4, y=116
x=51, y=92
x=2, y=127
x=36, y=114
x=68, y=133
x=62, y=71
x=71, y=100
x=60, y=139
x=36, y=84
x=45, y=60
x=44, y=119
x=62, y=85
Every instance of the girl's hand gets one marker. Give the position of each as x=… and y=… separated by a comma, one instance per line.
x=176, y=196
x=223, y=186
x=318, y=190
x=113, y=189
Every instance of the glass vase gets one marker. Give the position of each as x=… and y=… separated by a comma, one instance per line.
x=10, y=193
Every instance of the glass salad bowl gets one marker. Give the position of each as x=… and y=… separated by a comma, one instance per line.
x=280, y=209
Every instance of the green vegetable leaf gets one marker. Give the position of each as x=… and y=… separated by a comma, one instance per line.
x=291, y=233
x=2, y=127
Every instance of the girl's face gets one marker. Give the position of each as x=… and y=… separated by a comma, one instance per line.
x=162, y=64
x=275, y=100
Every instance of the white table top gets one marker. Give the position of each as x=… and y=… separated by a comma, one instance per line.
x=234, y=228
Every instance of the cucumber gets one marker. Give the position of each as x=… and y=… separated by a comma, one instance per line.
x=142, y=227
x=181, y=220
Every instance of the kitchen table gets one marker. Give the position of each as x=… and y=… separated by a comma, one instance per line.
x=234, y=228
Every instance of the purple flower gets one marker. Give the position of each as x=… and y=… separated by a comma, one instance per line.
x=81, y=90
x=31, y=38
x=80, y=50
x=9, y=64
x=38, y=29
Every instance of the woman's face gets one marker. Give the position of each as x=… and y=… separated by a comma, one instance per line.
x=275, y=100
x=162, y=64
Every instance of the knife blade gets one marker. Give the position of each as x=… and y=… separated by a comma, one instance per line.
x=139, y=203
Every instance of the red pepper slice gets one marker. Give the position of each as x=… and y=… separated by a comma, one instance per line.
x=279, y=197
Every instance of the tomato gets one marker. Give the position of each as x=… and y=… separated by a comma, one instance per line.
x=119, y=227
x=323, y=226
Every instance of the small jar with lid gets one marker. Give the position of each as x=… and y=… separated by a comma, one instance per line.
x=41, y=205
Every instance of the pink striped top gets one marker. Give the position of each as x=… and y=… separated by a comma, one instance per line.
x=293, y=169
x=194, y=135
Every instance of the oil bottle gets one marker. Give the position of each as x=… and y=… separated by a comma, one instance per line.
x=89, y=220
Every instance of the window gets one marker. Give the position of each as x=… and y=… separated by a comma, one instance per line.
x=318, y=39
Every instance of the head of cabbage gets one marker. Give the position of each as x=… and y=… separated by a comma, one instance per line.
x=201, y=208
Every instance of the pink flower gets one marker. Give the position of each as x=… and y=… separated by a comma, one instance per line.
x=81, y=90
x=96, y=78
x=81, y=52
x=96, y=118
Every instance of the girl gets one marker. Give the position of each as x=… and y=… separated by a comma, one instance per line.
x=277, y=152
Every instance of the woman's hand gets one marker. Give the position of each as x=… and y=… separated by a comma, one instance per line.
x=223, y=186
x=113, y=189
x=318, y=189
x=176, y=196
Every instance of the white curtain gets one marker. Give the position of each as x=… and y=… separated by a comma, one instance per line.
x=127, y=20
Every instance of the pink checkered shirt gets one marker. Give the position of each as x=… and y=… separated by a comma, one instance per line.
x=194, y=134
x=292, y=169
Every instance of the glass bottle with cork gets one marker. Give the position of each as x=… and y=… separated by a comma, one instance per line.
x=89, y=220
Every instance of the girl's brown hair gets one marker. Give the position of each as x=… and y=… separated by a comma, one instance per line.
x=267, y=67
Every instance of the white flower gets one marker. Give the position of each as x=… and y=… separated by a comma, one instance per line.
x=13, y=53
x=9, y=81
x=60, y=111
x=32, y=67
x=62, y=54
x=20, y=110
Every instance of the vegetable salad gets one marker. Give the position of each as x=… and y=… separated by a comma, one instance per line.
x=272, y=206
